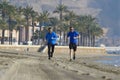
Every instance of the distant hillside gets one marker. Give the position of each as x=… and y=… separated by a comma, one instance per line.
x=107, y=11
x=78, y=6
x=109, y=15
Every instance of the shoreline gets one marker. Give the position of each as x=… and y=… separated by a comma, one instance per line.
x=87, y=64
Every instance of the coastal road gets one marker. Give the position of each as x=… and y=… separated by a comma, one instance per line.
x=30, y=69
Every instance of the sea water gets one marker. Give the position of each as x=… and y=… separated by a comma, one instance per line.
x=112, y=60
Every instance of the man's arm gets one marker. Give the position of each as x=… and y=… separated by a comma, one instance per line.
x=54, y=36
x=77, y=36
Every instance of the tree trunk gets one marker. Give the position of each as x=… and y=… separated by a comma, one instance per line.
x=39, y=35
x=3, y=36
x=64, y=38
x=60, y=38
x=27, y=32
x=61, y=16
x=81, y=39
x=11, y=38
x=93, y=40
x=33, y=33
x=9, y=22
x=88, y=37
x=20, y=35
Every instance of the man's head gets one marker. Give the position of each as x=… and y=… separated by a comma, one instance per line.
x=71, y=29
x=50, y=29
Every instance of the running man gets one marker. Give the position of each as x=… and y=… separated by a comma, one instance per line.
x=73, y=40
x=51, y=38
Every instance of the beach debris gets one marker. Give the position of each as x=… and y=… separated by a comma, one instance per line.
x=85, y=73
x=103, y=77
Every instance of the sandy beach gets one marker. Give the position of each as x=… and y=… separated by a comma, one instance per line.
x=36, y=66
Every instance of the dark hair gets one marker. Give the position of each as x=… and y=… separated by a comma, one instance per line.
x=49, y=28
x=71, y=28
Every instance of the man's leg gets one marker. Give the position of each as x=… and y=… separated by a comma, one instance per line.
x=70, y=52
x=74, y=51
x=49, y=46
x=74, y=55
x=70, y=55
x=53, y=46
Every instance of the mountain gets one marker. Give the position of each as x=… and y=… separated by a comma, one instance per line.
x=107, y=11
x=109, y=15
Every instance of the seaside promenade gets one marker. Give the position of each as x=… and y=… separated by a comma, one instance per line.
x=26, y=63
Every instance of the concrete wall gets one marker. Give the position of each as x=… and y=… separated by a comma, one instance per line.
x=20, y=48
x=81, y=50
x=58, y=49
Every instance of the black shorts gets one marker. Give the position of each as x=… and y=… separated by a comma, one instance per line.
x=73, y=46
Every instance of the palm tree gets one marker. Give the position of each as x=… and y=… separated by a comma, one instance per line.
x=20, y=22
x=81, y=27
x=70, y=18
x=7, y=11
x=87, y=27
x=54, y=22
x=96, y=31
x=61, y=9
x=4, y=6
x=86, y=24
x=27, y=13
x=43, y=17
x=11, y=21
x=3, y=27
x=34, y=16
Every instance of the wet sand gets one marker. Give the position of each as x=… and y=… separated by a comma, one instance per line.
x=36, y=66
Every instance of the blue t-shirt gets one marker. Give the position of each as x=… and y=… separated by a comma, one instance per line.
x=72, y=35
x=51, y=38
